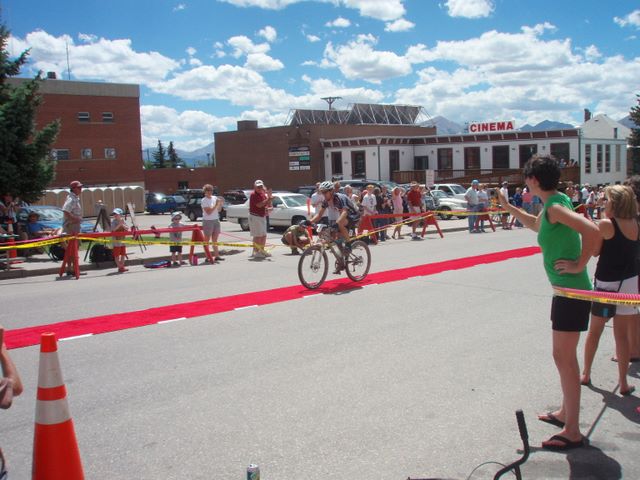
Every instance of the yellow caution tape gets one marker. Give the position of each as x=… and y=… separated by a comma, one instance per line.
x=612, y=298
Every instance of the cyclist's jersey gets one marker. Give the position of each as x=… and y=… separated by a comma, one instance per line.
x=340, y=202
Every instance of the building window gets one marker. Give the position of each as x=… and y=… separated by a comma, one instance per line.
x=607, y=158
x=501, y=156
x=526, y=152
x=421, y=163
x=615, y=133
x=560, y=151
x=84, y=117
x=110, y=153
x=183, y=185
x=599, y=158
x=618, y=158
x=587, y=159
x=394, y=160
x=358, y=164
x=472, y=158
x=445, y=159
x=60, y=154
x=336, y=163
x=107, y=117
x=86, y=154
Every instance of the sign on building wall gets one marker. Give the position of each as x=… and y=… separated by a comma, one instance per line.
x=430, y=177
x=300, y=158
x=481, y=127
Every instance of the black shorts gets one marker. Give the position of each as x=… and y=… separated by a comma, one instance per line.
x=569, y=314
x=175, y=248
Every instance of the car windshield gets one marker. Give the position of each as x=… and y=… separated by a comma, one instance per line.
x=457, y=189
x=438, y=193
x=179, y=198
x=390, y=185
x=295, y=200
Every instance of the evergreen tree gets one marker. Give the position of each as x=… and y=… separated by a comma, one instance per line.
x=174, y=158
x=25, y=161
x=634, y=138
x=160, y=156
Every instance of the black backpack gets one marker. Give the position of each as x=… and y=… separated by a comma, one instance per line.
x=100, y=253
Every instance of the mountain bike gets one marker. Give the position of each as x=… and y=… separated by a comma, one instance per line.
x=353, y=257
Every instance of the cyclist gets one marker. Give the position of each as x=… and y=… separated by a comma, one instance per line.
x=339, y=209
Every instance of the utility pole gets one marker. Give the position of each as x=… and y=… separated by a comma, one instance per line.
x=330, y=101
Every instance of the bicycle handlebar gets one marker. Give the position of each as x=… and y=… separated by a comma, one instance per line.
x=524, y=435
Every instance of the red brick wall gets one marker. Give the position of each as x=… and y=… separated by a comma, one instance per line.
x=166, y=180
x=123, y=134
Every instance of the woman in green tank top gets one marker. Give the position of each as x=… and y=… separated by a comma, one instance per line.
x=568, y=241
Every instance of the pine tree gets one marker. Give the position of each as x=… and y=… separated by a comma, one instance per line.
x=160, y=156
x=174, y=158
x=634, y=138
x=25, y=161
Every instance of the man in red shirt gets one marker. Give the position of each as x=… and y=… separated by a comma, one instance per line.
x=259, y=201
x=414, y=199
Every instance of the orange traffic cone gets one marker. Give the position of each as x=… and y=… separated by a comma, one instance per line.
x=11, y=241
x=55, y=450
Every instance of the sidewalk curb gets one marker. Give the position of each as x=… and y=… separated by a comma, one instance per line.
x=18, y=273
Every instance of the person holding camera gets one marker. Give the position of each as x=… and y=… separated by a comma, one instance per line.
x=617, y=271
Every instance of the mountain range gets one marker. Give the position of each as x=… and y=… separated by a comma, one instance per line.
x=197, y=157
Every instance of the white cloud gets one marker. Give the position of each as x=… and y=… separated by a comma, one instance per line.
x=400, y=25
x=323, y=87
x=191, y=51
x=243, y=45
x=87, y=37
x=358, y=60
x=632, y=19
x=261, y=62
x=188, y=130
x=386, y=10
x=592, y=53
x=469, y=8
x=313, y=38
x=339, y=22
x=180, y=6
x=268, y=33
x=95, y=59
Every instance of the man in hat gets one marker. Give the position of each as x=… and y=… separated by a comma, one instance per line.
x=504, y=191
x=72, y=209
x=471, y=196
x=259, y=202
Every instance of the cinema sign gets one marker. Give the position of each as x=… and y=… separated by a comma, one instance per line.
x=491, y=127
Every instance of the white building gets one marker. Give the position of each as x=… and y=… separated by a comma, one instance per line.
x=598, y=147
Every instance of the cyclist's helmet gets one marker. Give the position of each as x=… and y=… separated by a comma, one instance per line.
x=305, y=223
x=326, y=186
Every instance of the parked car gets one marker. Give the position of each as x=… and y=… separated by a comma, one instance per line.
x=49, y=217
x=306, y=190
x=167, y=204
x=193, y=209
x=288, y=209
x=361, y=185
x=236, y=197
x=451, y=189
x=448, y=203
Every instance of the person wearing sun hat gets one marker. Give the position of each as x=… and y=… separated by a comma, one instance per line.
x=471, y=196
x=119, y=250
x=176, y=250
x=72, y=209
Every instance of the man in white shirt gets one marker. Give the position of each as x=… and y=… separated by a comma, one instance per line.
x=471, y=196
x=211, y=221
x=369, y=202
x=316, y=199
x=585, y=193
x=504, y=190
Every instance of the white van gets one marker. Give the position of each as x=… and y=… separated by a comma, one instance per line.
x=451, y=189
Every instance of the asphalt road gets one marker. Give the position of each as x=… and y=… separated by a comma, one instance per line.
x=411, y=378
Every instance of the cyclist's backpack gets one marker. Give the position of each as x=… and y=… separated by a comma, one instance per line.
x=100, y=253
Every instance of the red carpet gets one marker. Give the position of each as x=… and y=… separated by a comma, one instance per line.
x=24, y=337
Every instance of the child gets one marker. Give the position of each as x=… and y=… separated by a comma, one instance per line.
x=119, y=250
x=176, y=250
x=296, y=237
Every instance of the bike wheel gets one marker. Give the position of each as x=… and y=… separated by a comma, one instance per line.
x=313, y=267
x=358, y=261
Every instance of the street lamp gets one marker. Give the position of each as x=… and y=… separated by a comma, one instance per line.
x=378, y=141
x=208, y=159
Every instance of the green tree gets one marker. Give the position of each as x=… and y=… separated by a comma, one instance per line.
x=160, y=156
x=634, y=138
x=174, y=158
x=25, y=161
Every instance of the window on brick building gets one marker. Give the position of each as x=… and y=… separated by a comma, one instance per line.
x=110, y=153
x=60, y=153
x=86, y=154
x=84, y=117
x=107, y=117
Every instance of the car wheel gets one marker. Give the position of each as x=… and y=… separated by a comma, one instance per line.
x=244, y=224
x=192, y=216
x=445, y=216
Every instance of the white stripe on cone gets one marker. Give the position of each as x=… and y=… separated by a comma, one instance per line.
x=52, y=412
x=49, y=373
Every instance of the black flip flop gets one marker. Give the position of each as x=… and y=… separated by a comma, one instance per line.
x=566, y=444
x=626, y=393
x=552, y=419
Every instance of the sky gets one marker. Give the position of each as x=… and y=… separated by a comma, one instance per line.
x=202, y=65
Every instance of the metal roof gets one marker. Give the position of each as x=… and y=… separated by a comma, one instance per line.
x=359, y=114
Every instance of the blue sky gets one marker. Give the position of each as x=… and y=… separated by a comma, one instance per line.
x=204, y=64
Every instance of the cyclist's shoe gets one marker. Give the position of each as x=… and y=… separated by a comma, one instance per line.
x=339, y=268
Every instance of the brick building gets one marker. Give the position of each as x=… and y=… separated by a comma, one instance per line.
x=99, y=142
x=289, y=156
